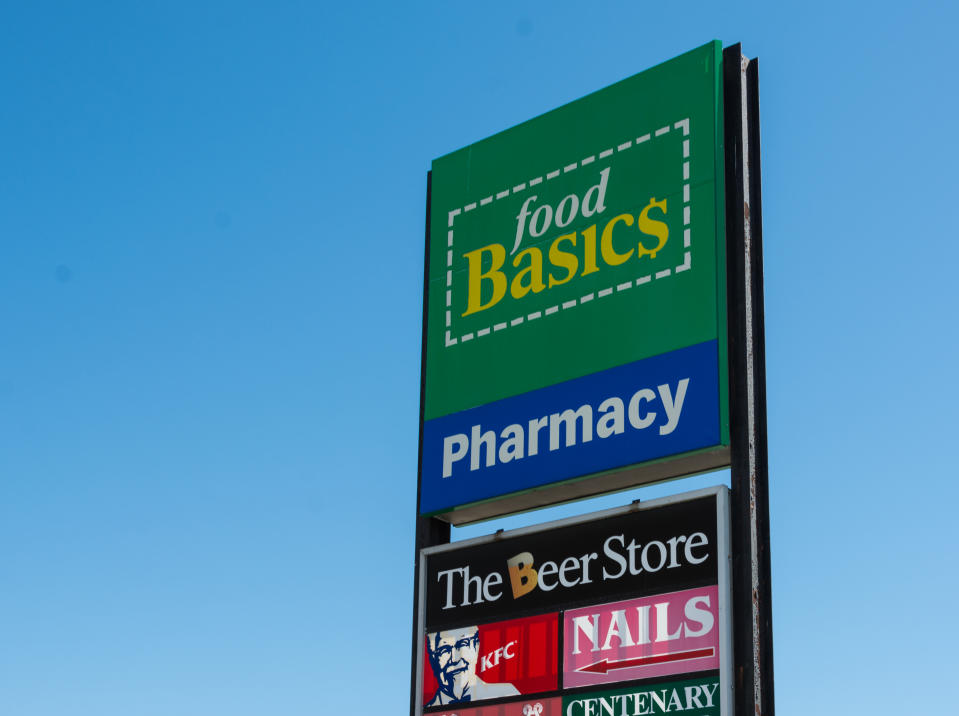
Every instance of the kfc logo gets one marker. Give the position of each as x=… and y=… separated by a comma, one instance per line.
x=490, y=661
x=453, y=657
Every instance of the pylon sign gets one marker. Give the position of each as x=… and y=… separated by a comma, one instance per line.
x=629, y=605
x=575, y=313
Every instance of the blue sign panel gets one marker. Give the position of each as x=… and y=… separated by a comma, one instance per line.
x=652, y=408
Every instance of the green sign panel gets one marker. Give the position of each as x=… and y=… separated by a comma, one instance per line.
x=696, y=697
x=576, y=297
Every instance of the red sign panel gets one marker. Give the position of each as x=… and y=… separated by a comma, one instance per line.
x=489, y=661
x=659, y=635
x=526, y=707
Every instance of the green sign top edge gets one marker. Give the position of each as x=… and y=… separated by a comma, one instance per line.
x=717, y=51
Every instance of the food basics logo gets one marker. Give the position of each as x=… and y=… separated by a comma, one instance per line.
x=576, y=234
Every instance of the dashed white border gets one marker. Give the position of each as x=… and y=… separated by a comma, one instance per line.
x=682, y=124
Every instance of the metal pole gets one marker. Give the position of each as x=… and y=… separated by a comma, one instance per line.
x=429, y=530
x=752, y=594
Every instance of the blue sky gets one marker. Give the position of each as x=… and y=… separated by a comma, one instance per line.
x=210, y=310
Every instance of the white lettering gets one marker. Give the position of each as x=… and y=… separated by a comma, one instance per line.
x=692, y=697
x=513, y=442
x=493, y=579
x=662, y=623
x=672, y=406
x=597, y=194
x=454, y=449
x=611, y=423
x=589, y=626
x=566, y=429
x=548, y=569
x=704, y=617
x=674, y=699
x=613, y=555
x=568, y=419
x=521, y=222
x=673, y=543
x=535, y=425
x=634, y=418
x=545, y=211
x=568, y=565
x=573, y=202
x=448, y=574
x=477, y=441
x=697, y=539
x=585, y=559
x=643, y=621
x=618, y=628
x=662, y=556
x=709, y=694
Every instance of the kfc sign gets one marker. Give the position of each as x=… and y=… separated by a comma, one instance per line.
x=479, y=662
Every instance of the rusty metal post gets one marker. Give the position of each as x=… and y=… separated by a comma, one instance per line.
x=752, y=593
x=429, y=530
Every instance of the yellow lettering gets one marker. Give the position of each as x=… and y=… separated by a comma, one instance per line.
x=589, y=251
x=474, y=290
x=606, y=241
x=522, y=577
x=652, y=227
x=487, y=280
x=534, y=271
x=563, y=259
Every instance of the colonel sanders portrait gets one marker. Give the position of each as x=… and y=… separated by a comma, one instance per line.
x=453, y=655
